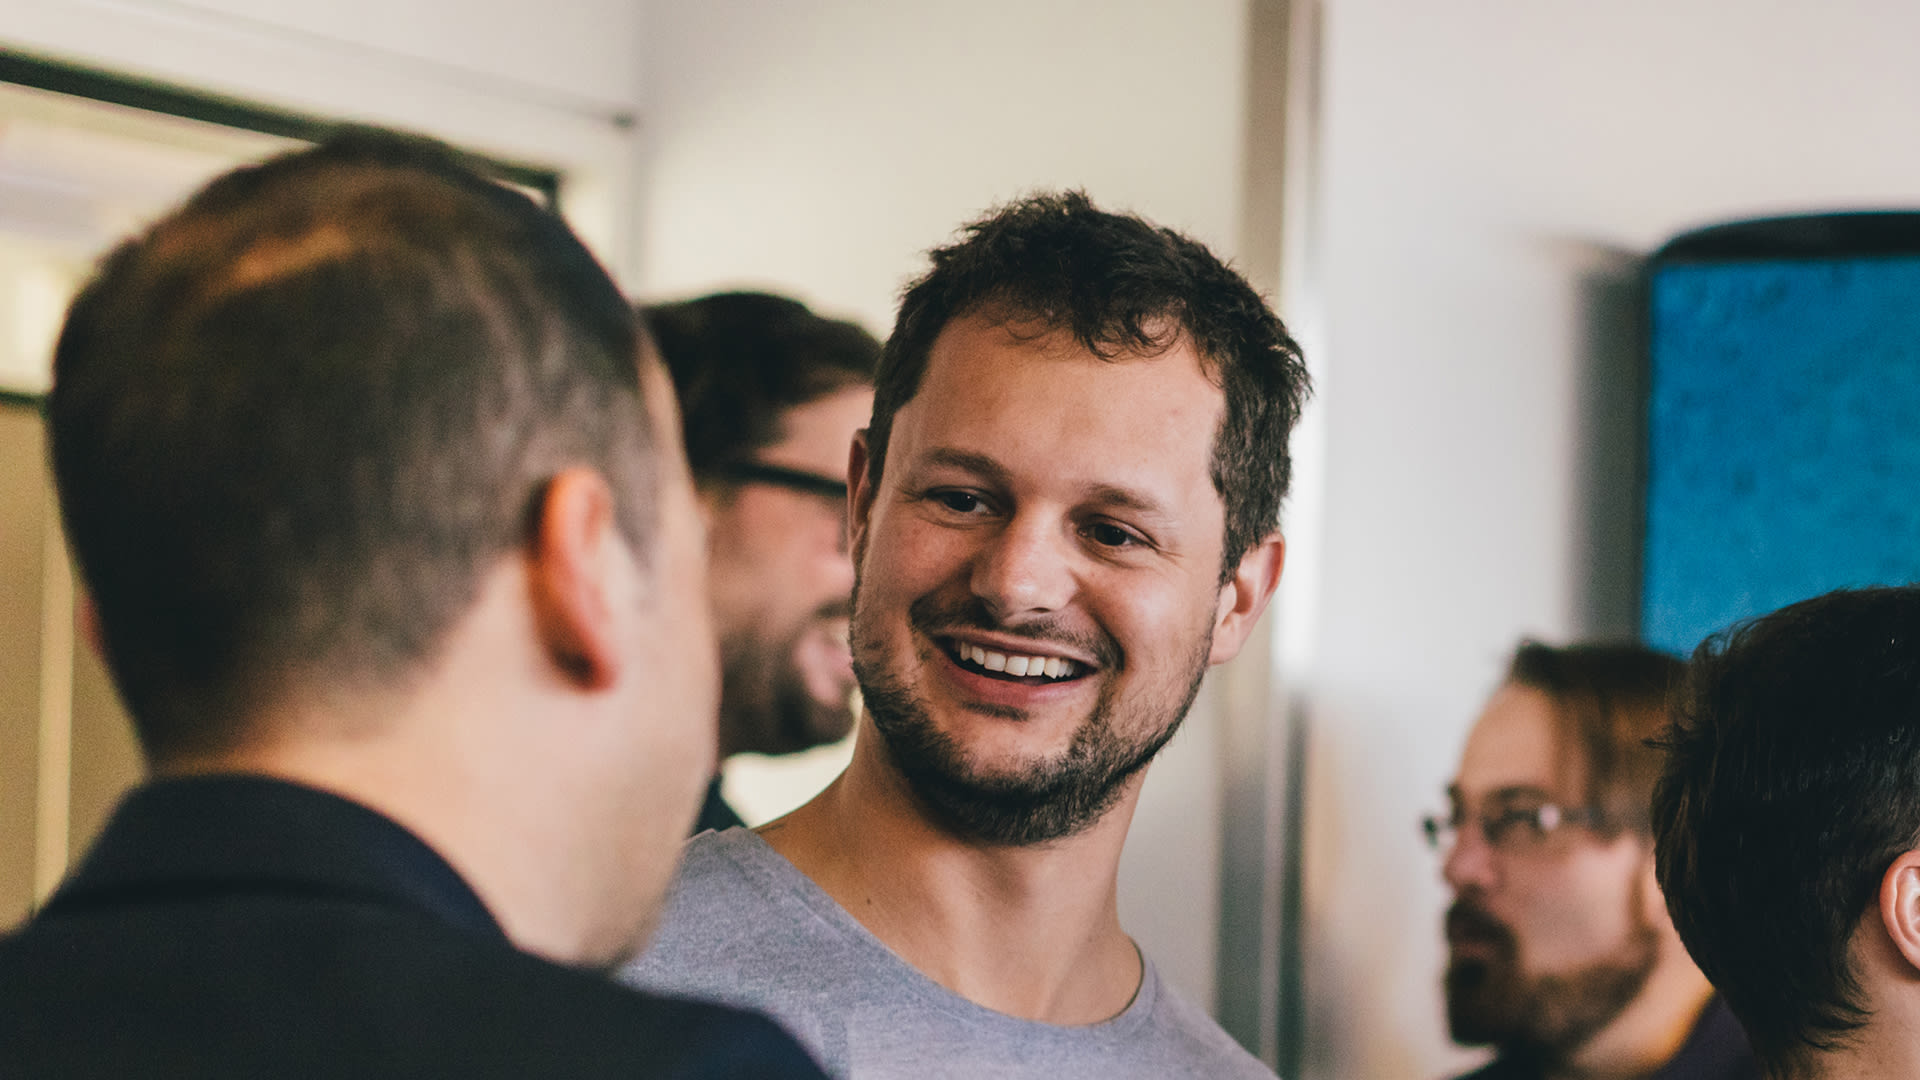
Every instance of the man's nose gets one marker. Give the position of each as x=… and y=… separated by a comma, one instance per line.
x=1024, y=569
x=1469, y=860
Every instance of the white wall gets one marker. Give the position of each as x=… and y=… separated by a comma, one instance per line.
x=555, y=83
x=820, y=146
x=1483, y=165
x=824, y=145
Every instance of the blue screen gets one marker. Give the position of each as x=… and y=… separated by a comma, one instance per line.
x=1784, y=437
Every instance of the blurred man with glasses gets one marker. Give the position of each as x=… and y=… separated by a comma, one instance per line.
x=772, y=395
x=1560, y=953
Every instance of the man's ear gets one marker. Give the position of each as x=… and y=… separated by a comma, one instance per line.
x=573, y=578
x=1245, y=596
x=1900, y=905
x=859, y=496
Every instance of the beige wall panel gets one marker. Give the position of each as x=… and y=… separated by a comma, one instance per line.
x=106, y=758
x=23, y=503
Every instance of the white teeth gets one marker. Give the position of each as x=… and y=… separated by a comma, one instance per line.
x=1052, y=667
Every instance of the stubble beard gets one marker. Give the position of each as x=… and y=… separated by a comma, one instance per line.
x=1542, y=1018
x=1040, y=801
x=764, y=700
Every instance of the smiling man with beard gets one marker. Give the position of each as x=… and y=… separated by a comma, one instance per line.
x=1064, y=512
x=1561, y=954
x=772, y=394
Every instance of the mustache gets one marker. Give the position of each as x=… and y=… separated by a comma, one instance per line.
x=1467, y=921
x=933, y=617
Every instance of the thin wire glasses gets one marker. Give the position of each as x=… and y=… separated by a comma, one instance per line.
x=1508, y=829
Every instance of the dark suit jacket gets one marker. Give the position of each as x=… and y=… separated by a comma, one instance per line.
x=715, y=814
x=1715, y=1050
x=245, y=927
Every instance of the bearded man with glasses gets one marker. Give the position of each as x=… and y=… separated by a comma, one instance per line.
x=1561, y=955
x=772, y=395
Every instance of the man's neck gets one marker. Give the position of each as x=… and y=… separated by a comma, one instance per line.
x=1888, y=1046
x=1650, y=1031
x=1033, y=932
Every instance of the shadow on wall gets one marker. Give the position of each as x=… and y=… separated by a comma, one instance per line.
x=1609, y=477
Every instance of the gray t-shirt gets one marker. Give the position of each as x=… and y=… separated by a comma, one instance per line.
x=743, y=927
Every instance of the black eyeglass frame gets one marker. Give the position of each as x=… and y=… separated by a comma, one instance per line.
x=800, y=480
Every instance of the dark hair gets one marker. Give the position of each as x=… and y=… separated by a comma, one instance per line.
x=1122, y=287
x=1789, y=789
x=295, y=422
x=1609, y=700
x=740, y=360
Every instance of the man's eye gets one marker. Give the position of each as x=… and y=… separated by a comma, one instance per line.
x=1508, y=820
x=1109, y=535
x=960, y=502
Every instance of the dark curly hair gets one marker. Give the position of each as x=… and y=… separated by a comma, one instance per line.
x=1122, y=287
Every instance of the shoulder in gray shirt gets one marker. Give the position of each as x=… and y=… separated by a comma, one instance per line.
x=743, y=927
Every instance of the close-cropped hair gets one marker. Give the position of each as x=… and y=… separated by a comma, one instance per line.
x=1610, y=700
x=1123, y=288
x=295, y=422
x=1789, y=789
x=741, y=360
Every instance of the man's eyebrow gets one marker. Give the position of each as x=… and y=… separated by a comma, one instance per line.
x=966, y=461
x=1124, y=499
x=993, y=472
x=1505, y=794
x=1520, y=791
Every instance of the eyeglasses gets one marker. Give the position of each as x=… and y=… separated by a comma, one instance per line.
x=807, y=483
x=1509, y=829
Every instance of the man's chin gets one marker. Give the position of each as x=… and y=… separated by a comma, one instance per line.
x=802, y=722
x=1468, y=1027
x=829, y=723
x=1481, y=1005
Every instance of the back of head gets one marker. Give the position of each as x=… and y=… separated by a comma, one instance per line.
x=740, y=360
x=1122, y=287
x=1788, y=792
x=294, y=422
x=1609, y=701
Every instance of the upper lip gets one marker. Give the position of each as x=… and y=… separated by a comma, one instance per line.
x=1017, y=646
x=1464, y=925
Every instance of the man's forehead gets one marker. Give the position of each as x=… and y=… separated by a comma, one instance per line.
x=1162, y=333
x=1085, y=381
x=1517, y=743
x=1145, y=425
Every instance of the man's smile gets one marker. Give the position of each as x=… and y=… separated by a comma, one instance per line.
x=1029, y=666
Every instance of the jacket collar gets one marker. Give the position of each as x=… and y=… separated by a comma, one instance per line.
x=207, y=835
